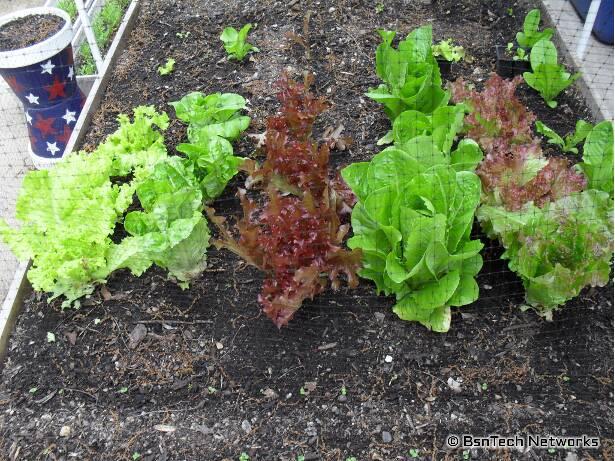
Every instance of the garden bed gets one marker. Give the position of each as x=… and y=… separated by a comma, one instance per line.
x=213, y=377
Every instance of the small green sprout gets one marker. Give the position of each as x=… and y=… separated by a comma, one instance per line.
x=182, y=35
x=136, y=455
x=96, y=321
x=343, y=391
x=302, y=392
x=351, y=458
x=51, y=338
x=510, y=11
x=413, y=453
x=167, y=68
x=235, y=42
x=244, y=456
x=33, y=390
x=379, y=7
x=466, y=454
x=483, y=386
x=566, y=378
x=123, y=390
x=212, y=390
x=300, y=458
x=551, y=451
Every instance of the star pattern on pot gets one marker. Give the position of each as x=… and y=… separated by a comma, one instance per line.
x=44, y=125
x=52, y=147
x=28, y=118
x=71, y=72
x=69, y=116
x=32, y=99
x=56, y=90
x=65, y=136
x=47, y=68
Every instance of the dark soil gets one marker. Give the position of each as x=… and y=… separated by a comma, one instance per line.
x=28, y=31
x=206, y=376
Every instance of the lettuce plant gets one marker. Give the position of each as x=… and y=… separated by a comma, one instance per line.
x=514, y=171
x=569, y=143
x=554, y=220
x=171, y=230
x=448, y=51
x=213, y=120
x=530, y=34
x=410, y=74
x=235, y=42
x=293, y=232
x=548, y=77
x=412, y=223
x=69, y=213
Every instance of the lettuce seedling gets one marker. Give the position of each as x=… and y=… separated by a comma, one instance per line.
x=410, y=74
x=530, y=35
x=569, y=143
x=446, y=50
x=167, y=68
x=293, y=232
x=548, y=77
x=235, y=42
x=412, y=223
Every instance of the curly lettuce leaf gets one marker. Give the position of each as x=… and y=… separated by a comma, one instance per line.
x=69, y=213
x=560, y=249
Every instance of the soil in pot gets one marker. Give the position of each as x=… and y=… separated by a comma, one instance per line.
x=28, y=31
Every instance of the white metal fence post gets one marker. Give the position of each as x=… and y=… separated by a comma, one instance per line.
x=587, y=28
x=89, y=34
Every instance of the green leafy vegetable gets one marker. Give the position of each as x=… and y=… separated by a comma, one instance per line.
x=167, y=68
x=235, y=42
x=448, y=51
x=559, y=249
x=598, y=158
x=567, y=244
x=412, y=222
x=171, y=230
x=548, y=77
x=69, y=213
x=410, y=74
x=569, y=143
x=213, y=120
x=530, y=35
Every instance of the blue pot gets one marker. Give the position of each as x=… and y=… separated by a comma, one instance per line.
x=603, y=27
x=43, y=77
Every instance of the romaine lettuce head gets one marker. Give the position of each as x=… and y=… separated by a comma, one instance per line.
x=410, y=74
x=412, y=223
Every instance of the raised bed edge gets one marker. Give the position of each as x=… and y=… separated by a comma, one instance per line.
x=20, y=287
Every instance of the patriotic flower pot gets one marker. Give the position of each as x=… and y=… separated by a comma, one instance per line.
x=42, y=76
